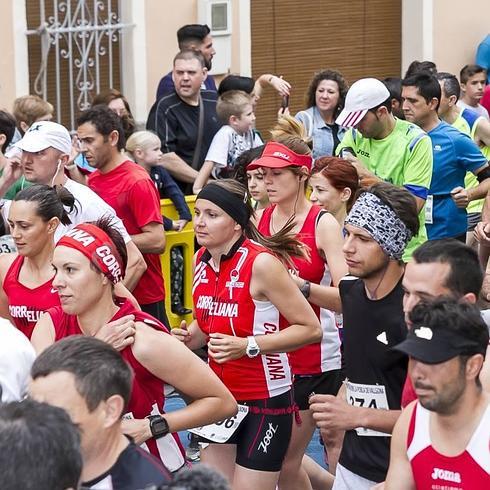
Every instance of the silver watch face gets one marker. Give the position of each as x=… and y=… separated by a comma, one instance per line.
x=253, y=351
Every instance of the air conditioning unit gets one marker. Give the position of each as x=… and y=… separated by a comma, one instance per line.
x=217, y=15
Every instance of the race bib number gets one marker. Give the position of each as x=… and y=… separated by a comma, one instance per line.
x=222, y=431
x=368, y=396
x=429, y=208
x=7, y=244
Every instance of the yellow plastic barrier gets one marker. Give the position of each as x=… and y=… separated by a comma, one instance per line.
x=185, y=240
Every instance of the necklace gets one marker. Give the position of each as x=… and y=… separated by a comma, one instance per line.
x=372, y=293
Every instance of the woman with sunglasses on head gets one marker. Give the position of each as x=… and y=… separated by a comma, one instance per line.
x=27, y=276
x=286, y=164
x=249, y=312
x=88, y=261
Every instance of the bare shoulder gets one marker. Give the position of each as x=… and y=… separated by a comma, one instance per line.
x=327, y=222
x=148, y=341
x=265, y=264
x=6, y=260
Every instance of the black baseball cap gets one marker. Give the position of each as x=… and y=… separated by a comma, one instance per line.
x=436, y=345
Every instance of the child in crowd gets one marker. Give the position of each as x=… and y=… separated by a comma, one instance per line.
x=252, y=179
x=235, y=110
x=144, y=148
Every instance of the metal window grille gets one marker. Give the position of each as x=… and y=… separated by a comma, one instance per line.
x=74, y=52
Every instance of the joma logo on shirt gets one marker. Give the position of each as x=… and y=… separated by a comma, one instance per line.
x=447, y=475
x=216, y=308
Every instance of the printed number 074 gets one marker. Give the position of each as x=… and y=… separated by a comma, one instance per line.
x=359, y=402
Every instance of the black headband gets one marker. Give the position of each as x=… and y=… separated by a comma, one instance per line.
x=229, y=202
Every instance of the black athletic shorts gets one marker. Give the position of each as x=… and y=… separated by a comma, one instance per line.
x=262, y=439
x=327, y=383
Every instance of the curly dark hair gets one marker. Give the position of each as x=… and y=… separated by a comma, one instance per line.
x=333, y=75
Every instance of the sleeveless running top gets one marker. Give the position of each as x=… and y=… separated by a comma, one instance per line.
x=325, y=355
x=468, y=470
x=25, y=304
x=222, y=303
x=147, y=396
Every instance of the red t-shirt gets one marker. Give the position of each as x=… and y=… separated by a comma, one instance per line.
x=485, y=101
x=25, y=304
x=132, y=194
x=325, y=355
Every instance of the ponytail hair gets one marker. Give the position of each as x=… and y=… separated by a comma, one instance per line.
x=51, y=201
x=291, y=133
x=106, y=224
x=283, y=244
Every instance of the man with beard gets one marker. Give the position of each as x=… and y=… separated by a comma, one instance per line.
x=378, y=228
x=185, y=120
x=441, y=441
x=383, y=147
x=196, y=37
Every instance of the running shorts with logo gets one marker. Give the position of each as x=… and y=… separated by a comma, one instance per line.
x=316, y=367
x=262, y=438
x=223, y=304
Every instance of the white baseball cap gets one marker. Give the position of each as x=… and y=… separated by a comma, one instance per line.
x=363, y=95
x=42, y=135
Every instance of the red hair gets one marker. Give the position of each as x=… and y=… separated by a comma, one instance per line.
x=340, y=173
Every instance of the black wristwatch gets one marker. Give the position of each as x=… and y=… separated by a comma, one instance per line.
x=306, y=289
x=158, y=426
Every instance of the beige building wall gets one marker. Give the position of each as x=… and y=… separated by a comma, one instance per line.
x=13, y=66
x=162, y=21
x=456, y=38
x=164, y=18
x=444, y=31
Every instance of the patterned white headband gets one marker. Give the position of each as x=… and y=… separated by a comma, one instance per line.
x=381, y=222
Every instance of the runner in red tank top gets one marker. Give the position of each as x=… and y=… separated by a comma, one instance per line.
x=240, y=293
x=438, y=268
x=317, y=367
x=88, y=261
x=27, y=275
x=443, y=440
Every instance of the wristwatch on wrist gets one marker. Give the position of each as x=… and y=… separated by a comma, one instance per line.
x=253, y=349
x=306, y=289
x=158, y=426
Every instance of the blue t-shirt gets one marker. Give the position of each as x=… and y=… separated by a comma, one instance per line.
x=454, y=154
x=483, y=55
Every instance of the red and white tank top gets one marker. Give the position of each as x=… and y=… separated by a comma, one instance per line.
x=432, y=470
x=147, y=396
x=222, y=303
x=325, y=355
x=25, y=304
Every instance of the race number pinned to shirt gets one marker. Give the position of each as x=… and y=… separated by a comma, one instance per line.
x=7, y=244
x=429, y=208
x=222, y=431
x=367, y=396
